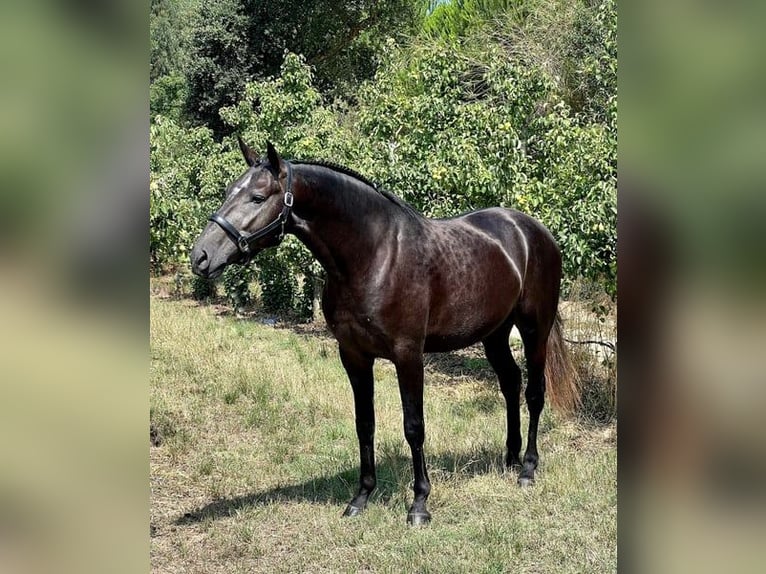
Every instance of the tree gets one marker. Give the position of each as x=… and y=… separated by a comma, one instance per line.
x=236, y=41
x=167, y=38
x=220, y=60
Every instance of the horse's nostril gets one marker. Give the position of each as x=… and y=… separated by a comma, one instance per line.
x=202, y=261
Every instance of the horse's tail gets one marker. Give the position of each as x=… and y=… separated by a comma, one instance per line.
x=562, y=380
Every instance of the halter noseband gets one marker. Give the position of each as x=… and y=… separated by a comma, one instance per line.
x=244, y=242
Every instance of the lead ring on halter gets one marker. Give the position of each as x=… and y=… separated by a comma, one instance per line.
x=244, y=242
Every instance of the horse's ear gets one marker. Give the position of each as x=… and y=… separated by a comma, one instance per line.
x=250, y=156
x=274, y=159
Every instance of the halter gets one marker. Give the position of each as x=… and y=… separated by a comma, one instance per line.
x=245, y=242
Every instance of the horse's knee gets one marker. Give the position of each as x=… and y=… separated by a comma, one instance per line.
x=414, y=433
x=365, y=430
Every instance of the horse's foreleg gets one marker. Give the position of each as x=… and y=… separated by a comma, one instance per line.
x=409, y=371
x=359, y=370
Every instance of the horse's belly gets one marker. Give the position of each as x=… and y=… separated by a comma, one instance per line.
x=464, y=330
x=453, y=342
x=464, y=316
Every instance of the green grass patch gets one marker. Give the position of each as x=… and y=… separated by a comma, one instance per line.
x=257, y=458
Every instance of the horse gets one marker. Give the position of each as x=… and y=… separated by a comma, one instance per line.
x=399, y=285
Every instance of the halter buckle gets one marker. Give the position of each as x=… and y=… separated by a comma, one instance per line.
x=289, y=198
x=243, y=245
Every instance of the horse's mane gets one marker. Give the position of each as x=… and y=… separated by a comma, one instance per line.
x=356, y=175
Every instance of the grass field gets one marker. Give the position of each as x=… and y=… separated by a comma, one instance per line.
x=254, y=456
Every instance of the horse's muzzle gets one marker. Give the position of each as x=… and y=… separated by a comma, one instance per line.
x=200, y=262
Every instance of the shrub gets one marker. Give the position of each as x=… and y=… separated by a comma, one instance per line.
x=202, y=288
x=236, y=284
x=178, y=159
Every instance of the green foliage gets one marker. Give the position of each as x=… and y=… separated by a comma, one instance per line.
x=492, y=118
x=458, y=17
x=202, y=288
x=278, y=284
x=591, y=54
x=170, y=31
x=168, y=95
x=447, y=130
x=219, y=62
x=165, y=42
x=187, y=171
x=173, y=205
x=286, y=276
x=454, y=128
x=574, y=42
x=574, y=192
x=286, y=110
x=237, y=41
x=236, y=285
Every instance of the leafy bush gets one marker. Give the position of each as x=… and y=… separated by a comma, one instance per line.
x=202, y=288
x=177, y=160
x=286, y=276
x=236, y=41
x=236, y=285
x=452, y=129
x=168, y=95
x=278, y=284
x=188, y=171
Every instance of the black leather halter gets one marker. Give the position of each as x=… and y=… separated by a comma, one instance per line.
x=245, y=242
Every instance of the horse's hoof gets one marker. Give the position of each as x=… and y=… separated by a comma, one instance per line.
x=418, y=518
x=352, y=511
x=526, y=481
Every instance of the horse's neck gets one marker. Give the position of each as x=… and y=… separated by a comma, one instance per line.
x=342, y=222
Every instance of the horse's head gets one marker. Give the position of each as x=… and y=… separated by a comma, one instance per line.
x=251, y=218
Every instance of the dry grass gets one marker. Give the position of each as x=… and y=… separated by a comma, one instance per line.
x=256, y=456
x=592, y=321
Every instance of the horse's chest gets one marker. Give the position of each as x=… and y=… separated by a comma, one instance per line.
x=354, y=326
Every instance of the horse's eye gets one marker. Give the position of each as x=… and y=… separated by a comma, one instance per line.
x=258, y=199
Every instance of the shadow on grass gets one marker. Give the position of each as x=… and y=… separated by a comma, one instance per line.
x=394, y=476
x=454, y=365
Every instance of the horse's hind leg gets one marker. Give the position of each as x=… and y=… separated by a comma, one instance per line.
x=535, y=337
x=509, y=376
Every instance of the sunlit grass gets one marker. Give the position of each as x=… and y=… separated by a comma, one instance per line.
x=257, y=456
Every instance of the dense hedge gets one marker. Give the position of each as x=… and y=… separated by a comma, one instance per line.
x=448, y=124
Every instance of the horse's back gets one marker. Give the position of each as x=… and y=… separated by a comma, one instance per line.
x=512, y=227
x=525, y=239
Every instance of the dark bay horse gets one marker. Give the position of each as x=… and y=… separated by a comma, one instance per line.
x=399, y=285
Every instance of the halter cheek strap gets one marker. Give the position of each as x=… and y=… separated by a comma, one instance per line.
x=245, y=241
